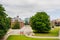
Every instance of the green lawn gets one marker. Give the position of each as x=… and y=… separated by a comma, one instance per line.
x=21, y=37
x=53, y=32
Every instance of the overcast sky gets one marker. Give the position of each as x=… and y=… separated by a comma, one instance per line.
x=27, y=8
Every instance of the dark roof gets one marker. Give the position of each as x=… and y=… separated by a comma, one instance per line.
x=16, y=18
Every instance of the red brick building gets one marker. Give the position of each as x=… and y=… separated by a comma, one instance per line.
x=21, y=22
x=55, y=22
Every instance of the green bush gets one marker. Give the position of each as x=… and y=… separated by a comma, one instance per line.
x=16, y=25
x=40, y=22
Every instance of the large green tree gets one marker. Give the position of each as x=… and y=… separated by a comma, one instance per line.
x=8, y=22
x=3, y=21
x=40, y=22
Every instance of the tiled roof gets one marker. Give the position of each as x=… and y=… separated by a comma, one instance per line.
x=16, y=18
x=57, y=20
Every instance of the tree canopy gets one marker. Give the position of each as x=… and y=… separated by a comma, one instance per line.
x=3, y=21
x=40, y=22
x=16, y=25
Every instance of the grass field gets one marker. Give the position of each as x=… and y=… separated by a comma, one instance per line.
x=53, y=32
x=21, y=37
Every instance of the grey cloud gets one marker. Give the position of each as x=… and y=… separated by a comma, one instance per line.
x=26, y=8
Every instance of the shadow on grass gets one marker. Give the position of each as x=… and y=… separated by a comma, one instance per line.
x=42, y=32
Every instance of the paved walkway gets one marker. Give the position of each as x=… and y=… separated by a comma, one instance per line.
x=11, y=32
x=59, y=32
x=42, y=37
x=16, y=32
